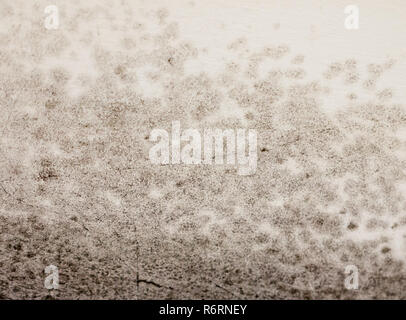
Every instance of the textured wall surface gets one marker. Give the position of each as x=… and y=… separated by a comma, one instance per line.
x=78, y=190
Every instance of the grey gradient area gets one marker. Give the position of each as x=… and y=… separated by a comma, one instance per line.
x=78, y=190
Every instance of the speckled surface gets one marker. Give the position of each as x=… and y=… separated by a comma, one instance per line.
x=77, y=189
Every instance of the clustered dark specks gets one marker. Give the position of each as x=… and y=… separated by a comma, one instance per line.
x=78, y=190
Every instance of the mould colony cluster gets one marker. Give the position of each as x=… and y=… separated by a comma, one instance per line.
x=78, y=190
